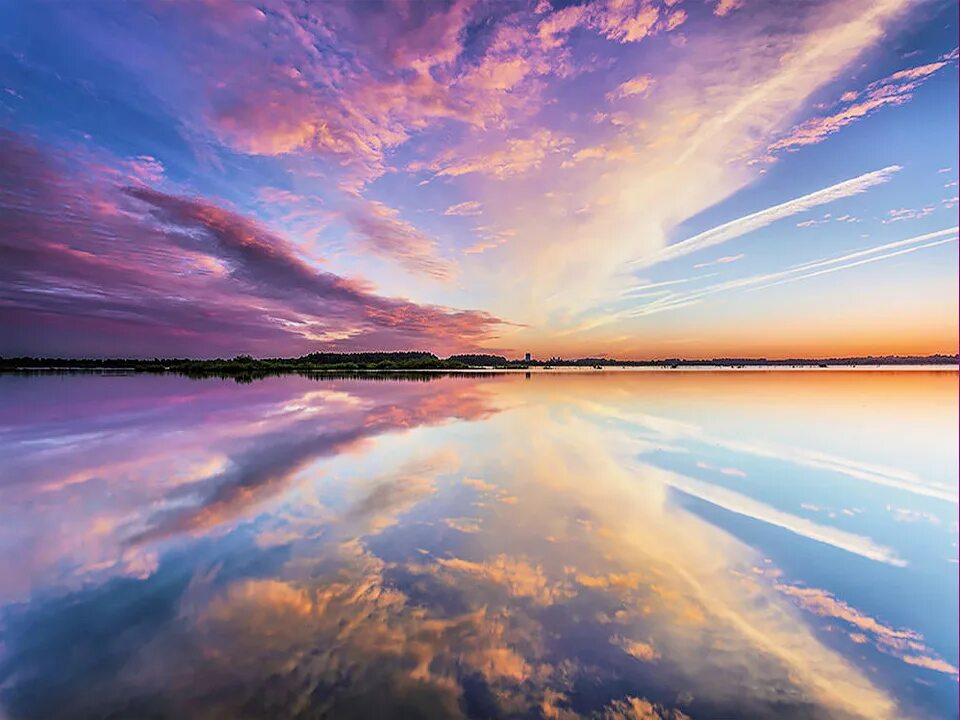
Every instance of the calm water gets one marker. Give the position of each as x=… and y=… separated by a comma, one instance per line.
x=609, y=545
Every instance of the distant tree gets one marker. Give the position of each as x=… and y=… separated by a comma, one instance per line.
x=483, y=360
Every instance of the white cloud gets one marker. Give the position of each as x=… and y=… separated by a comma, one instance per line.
x=884, y=476
x=720, y=261
x=679, y=281
x=755, y=221
x=747, y=506
x=673, y=301
x=900, y=214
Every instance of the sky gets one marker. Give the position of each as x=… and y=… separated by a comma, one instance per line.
x=625, y=178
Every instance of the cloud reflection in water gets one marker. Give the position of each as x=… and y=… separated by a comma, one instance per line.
x=477, y=547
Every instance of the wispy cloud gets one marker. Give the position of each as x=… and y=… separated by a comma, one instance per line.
x=385, y=233
x=725, y=7
x=639, y=85
x=884, y=476
x=827, y=218
x=470, y=207
x=518, y=156
x=644, y=287
x=490, y=238
x=73, y=274
x=744, y=505
x=674, y=301
x=905, y=644
x=755, y=221
x=345, y=103
x=901, y=214
x=720, y=261
x=906, y=515
x=893, y=90
x=887, y=250
x=730, y=471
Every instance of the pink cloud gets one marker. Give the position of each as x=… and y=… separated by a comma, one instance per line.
x=278, y=196
x=271, y=90
x=617, y=150
x=400, y=68
x=675, y=20
x=490, y=238
x=916, y=73
x=893, y=90
x=382, y=230
x=267, y=463
x=626, y=20
x=254, y=442
x=470, y=207
x=639, y=85
x=559, y=23
x=623, y=21
x=902, y=643
x=146, y=169
x=725, y=7
x=79, y=280
x=515, y=157
x=818, y=129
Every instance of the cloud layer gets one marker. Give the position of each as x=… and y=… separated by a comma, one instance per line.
x=584, y=137
x=99, y=266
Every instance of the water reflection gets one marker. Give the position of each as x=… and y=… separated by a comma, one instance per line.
x=602, y=545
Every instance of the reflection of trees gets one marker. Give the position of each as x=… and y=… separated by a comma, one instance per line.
x=246, y=376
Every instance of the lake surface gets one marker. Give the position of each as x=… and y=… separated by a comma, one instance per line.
x=559, y=545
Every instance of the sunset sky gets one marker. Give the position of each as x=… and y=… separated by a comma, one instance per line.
x=629, y=178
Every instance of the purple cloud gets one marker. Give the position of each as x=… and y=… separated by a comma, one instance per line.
x=97, y=263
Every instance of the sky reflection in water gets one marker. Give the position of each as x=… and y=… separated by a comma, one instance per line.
x=610, y=545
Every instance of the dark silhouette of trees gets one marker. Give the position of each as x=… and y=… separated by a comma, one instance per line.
x=245, y=368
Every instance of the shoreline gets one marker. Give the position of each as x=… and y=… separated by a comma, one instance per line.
x=559, y=369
